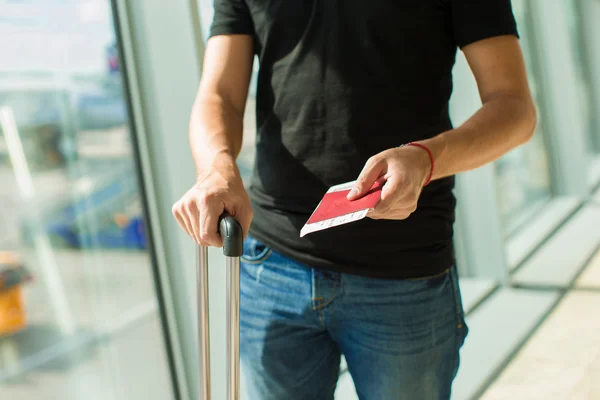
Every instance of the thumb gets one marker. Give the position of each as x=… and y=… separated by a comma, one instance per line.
x=367, y=178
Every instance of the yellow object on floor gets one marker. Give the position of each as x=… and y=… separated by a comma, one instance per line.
x=12, y=311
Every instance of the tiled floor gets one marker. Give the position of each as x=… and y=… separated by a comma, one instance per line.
x=590, y=278
x=597, y=197
x=562, y=359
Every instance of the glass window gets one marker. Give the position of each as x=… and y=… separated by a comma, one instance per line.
x=523, y=174
x=78, y=310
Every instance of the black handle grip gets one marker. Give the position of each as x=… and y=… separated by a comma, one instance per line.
x=232, y=235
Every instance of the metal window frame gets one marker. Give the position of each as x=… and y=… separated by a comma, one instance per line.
x=566, y=136
x=589, y=15
x=162, y=51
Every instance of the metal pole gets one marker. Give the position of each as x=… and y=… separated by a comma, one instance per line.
x=203, y=332
x=231, y=232
x=233, y=328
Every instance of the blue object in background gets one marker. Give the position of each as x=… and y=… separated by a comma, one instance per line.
x=90, y=218
x=131, y=236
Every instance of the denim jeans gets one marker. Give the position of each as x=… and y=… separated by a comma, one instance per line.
x=400, y=338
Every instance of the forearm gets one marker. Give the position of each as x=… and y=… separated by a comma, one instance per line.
x=216, y=132
x=500, y=125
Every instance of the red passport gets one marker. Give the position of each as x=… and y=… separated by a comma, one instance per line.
x=335, y=209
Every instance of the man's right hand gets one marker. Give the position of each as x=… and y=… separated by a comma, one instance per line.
x=215, y=192
x=216, y=133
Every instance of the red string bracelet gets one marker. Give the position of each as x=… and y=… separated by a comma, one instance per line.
x=422, y=146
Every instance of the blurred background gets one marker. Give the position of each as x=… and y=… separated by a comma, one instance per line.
x=97, y=281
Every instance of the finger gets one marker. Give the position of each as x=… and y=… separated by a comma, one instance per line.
x=181, y=221
x=188, y=227
x=373, y=170
x=179, y=215
x=193, y=217
x=209, y=224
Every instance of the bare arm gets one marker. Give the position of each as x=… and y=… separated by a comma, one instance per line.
x=216, y=123
x=506, y=120
x=216, y=128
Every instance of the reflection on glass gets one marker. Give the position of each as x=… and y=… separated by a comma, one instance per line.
x=78, y=314
x=523, y=177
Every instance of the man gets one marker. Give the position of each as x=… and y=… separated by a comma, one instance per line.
x=342, y=85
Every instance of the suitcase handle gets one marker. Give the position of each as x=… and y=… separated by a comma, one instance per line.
x=232, y=235
x=233, y=247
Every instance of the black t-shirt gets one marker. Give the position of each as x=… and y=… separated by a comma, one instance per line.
x=340, y=81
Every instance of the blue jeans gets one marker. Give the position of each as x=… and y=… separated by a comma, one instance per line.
x=400, y=338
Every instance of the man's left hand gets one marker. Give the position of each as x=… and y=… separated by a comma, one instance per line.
x=404, y=171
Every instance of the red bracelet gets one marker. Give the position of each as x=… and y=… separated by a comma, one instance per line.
x=422, y=146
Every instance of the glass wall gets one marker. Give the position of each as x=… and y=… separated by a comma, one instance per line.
x=523, y=176
x=78, y=310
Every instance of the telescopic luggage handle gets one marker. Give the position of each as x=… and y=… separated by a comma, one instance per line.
x=233, y=239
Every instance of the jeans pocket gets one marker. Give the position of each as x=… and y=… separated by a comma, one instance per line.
x=460, y=313
x=255, y=252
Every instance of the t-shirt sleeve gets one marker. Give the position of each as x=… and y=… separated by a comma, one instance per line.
x=475, y=20
x=231, y=17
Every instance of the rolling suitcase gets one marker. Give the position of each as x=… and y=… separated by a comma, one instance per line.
x=232, y=235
